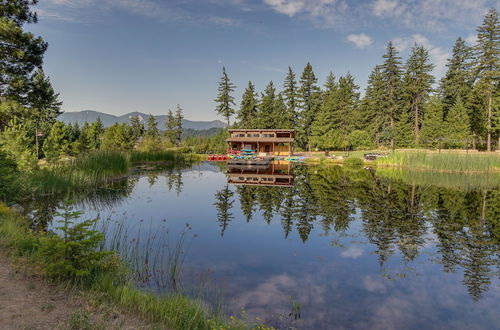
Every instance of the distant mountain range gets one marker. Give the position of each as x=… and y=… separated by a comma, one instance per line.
x=90, y=116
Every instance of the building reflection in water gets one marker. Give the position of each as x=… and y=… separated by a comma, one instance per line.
x=278, y=173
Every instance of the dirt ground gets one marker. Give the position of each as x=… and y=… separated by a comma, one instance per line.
x=29, y=302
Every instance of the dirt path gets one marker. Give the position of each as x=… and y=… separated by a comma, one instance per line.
x=27, y=302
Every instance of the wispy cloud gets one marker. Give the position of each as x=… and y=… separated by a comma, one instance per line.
x=433, y=14
x=323, y=13
x=361, y=40
x=438, y=56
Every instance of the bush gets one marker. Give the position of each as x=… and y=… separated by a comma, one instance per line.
x=360, y=140
x=354, y=162
x=74, y=254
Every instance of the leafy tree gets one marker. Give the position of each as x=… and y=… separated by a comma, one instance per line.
x=20, y=52
x=57, y=144
x=152, y=129
x=360, y=139
x=418, y=82
x=432, y=124
x=11, y=110
x=309, y=97
x=290, y=95
x=17, y=144
x=457, y=127
x=487, y=65
x=458, y=80
x=224, y=100
x=391, y=76
x=137, y=127
x=247, y=115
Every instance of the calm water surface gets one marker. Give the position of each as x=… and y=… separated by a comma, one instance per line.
x=341, y=248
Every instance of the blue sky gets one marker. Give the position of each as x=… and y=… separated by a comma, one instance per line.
x=119, y=56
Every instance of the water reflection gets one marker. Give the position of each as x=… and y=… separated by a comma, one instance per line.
x=345, y=244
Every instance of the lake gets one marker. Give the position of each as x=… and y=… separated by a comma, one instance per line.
x=310, y=247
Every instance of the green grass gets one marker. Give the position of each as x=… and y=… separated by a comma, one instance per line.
x=89, y=170
x=461, y=181
x=443, y=162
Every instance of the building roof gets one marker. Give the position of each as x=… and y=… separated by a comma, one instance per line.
x=260, y=130
x=259, y=139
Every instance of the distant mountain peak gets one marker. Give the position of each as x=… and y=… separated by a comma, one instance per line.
x=107, y=120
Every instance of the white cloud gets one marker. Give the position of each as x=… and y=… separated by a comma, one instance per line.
x=360, y=40
x=471, y=39
x=352, y=252
x=437, y=55
x=382, y=7
x=433, y=14
x=323, y=13
x=223, y=21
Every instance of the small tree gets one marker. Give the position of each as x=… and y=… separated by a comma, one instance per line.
x=137, y=127
x=432, y=124
x=74, y=254
x=178, y=125
x=152, y=129
x=16, y=142
x=96, y=131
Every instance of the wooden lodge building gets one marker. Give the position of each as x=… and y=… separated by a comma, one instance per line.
x=268, y=142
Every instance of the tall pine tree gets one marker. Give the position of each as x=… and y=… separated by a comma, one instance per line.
x=309, y=103
x=418, y=82
x=290, y=94
x=432, y=123
x=247, y=115
x=487, y=66
x=225, y=99
x=457, y=127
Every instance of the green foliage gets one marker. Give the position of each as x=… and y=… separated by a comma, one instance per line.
x=17, y=144
x=353, y=162
x=57, y=143
x=360, y=139
x=432, y=124
x=152, y=130
x=96, y=130
x=11, y=110
x=9, y=180
x=456, y=126
x=247, y=114
x=137, y=127
x=208, y=144
x=119, y=137
x=73, y=253
x=224, y=100
x=309, y=103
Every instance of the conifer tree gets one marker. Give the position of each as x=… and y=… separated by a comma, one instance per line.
x=224, y=100
x=290, y=94
x=374, y=116
x=57, y=143
x=418, y=82
x=267, y=114
x=403, y=133
x=346, y=103
x=487, y=65
x=17, y=144
x=284, y=117
x=152, y=129
x=457, y=127
x=391, y=76
x=96, y=131
x=247, y=115
x=118, y=137
x=309, y=103
x=224, y=203
x=458, y=80
x=178, y=125
x=21, y=52
x=82, y=144
x=137, y=127
x=170, y=127
x=432, y=123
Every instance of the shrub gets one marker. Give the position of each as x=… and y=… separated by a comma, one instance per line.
x=74, y=254
x=354, y=162
x=360, y=140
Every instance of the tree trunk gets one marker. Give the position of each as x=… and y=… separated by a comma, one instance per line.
x=488, y=123
x=417, y=130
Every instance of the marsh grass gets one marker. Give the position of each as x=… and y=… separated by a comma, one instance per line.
x=461, y=181
x=93, y=169
x=444, y=162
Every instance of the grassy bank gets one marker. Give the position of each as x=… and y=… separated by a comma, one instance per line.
x=90, y=170
x=442, y=162
x=108, y=281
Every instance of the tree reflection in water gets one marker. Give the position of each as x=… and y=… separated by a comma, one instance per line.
x=396, y=217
